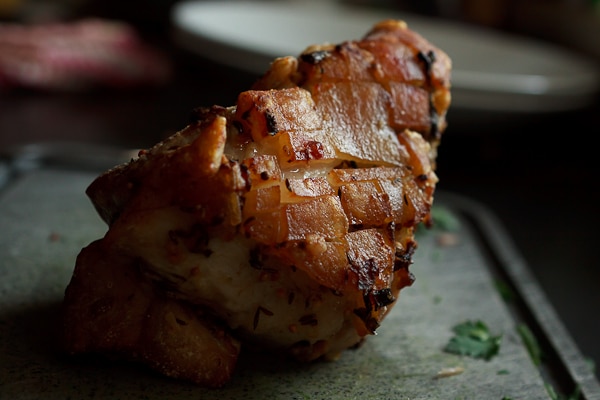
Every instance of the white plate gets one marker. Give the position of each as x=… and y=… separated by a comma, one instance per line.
x=492, y=71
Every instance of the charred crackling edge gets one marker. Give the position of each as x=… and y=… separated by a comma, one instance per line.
x=427, y=59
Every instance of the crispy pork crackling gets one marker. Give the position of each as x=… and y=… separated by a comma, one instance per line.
x=284, y=222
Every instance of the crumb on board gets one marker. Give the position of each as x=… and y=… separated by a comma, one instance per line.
x=449, y=371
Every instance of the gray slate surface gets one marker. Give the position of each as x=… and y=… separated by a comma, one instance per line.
x=46, y=219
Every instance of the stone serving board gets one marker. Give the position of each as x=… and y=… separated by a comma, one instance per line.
x=46, y=219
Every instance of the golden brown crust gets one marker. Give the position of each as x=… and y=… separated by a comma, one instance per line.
x=412, y=75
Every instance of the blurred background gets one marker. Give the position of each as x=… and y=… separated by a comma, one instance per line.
x=125, y=80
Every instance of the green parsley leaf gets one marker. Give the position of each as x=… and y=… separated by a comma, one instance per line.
x=473, y=338
x=551, y=392
x=531, y=344
x=505, y=291
x=444, y=219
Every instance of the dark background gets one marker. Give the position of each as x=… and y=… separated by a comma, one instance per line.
x=537, y=172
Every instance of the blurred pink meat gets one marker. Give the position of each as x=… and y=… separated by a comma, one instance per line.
x=77, y=55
